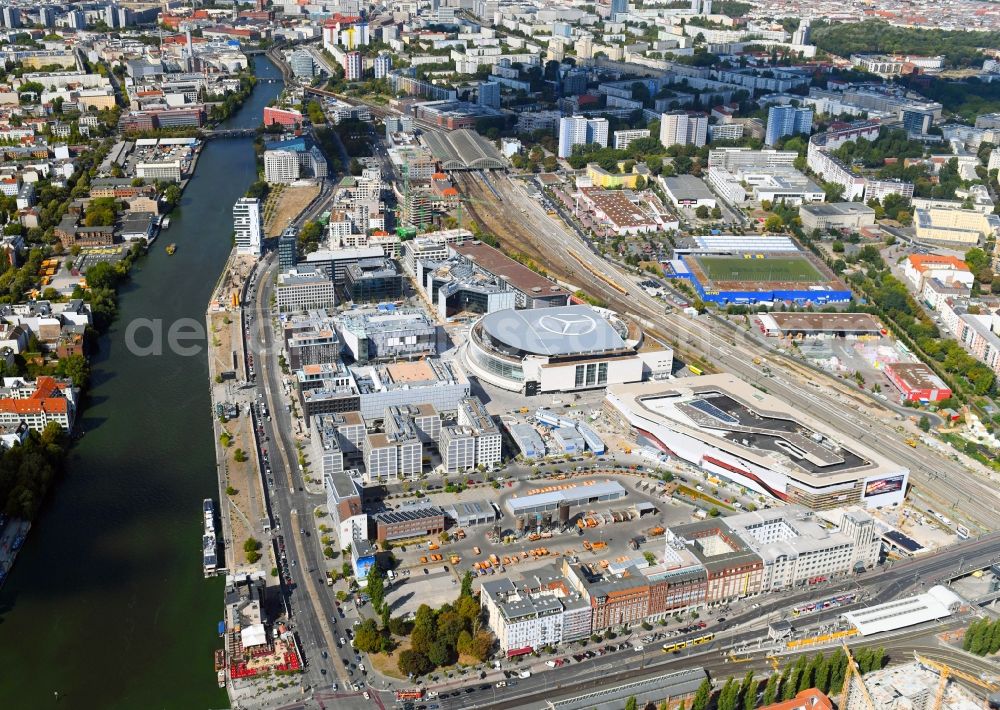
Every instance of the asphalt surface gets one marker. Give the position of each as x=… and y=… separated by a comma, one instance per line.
x=898, y=580
x=960, y=493
x=318, y=623
x=310, y=604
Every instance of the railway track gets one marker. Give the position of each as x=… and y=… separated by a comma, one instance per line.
x=514, y=232
x=561, y=253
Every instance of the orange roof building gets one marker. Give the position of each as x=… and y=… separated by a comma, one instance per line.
x=37, y=403
x=948, y=269
x=810, y=699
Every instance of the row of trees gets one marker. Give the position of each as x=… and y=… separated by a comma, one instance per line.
x=889, y=297
x=676, y=159
x=439, y=637
x=825, y=673
x=27, y=471
x=982, y=637
x=959, y=47
x=889, y=144
x=225, y=106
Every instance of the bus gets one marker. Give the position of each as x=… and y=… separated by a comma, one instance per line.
x=695, y=370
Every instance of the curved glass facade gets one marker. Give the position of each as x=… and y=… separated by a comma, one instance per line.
x=500, y=367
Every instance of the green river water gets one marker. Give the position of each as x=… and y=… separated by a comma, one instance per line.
x=106, y=605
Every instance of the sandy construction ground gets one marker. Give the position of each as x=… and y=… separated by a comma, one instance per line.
x=287, y=206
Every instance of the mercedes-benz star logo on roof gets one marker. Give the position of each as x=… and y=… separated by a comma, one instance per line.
x=567, y=323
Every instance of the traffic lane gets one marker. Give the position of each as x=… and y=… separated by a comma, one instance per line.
x=312, y=559
x=307, y=618
x=718, y=667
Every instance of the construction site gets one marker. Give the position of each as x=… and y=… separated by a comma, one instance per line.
x=925, y=684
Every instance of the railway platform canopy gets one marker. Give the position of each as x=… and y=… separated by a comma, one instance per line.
x=463, y=150
x=938, y=602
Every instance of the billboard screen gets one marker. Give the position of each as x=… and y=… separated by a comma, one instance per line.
x=884, y=485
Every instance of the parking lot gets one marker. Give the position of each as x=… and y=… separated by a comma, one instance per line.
x=534, y=546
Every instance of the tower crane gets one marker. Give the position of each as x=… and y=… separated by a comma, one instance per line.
x=946, y=672
x=854, y=672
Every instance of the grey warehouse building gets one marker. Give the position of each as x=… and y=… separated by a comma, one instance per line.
x=473, y=512
x=836, y=215
x=528, y=441
x=598, y=492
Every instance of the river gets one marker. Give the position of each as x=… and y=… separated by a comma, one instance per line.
x=106, y=605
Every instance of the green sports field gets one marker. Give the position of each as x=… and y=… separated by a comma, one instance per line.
x=755, y=270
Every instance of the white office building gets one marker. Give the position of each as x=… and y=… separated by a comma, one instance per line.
x=248, y=225
x=159, y=171
x=537, y=611
x=734, y=159
x=796, y=549
x=475, y=441
x=281, y=166
x=303, y=291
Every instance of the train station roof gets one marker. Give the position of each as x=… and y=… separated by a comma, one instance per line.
x=463, y=150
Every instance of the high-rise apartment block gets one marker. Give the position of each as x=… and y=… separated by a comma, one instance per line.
x=580, y=130
x=684, y=128
x=787, y=121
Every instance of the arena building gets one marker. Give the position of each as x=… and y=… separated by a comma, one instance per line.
x=729, y=428
x=552, y=349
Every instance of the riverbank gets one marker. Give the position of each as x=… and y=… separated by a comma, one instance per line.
x=115, y=558
x=102, y=295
